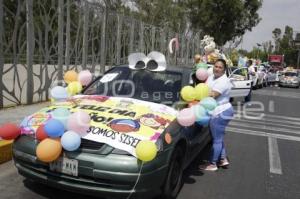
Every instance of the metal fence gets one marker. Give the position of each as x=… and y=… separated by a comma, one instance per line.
x=39, y=40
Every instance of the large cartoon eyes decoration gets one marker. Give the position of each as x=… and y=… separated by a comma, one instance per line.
x=154, y=61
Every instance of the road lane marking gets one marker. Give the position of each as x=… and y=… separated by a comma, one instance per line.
x=268, y=115
x=263, y=134
x=274, y=157
x=268, y=121
x=234, y=123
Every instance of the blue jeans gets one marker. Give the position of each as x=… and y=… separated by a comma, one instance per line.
x=217, y=125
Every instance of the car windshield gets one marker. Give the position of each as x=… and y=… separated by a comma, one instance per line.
x=160, y=87
x=290, y=74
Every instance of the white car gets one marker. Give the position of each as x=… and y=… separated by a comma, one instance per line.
x=240, y=80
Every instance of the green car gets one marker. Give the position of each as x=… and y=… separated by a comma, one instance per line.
x=102, y=170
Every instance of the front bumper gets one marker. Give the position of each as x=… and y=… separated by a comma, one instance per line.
x=94, y=176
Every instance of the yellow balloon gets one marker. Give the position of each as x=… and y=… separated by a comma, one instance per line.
x=48, y=150
x=146, y=150
x=70, y=76
x=188, y=93
x=74, y=88
x=202, y=91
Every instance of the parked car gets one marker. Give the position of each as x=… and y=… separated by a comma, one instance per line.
x=108, y=171
x=289, y=79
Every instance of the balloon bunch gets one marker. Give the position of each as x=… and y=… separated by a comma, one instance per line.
x=75, y=84
x=63, y=131
x=200, y=104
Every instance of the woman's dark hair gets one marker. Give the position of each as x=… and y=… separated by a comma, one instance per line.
x=224, y=64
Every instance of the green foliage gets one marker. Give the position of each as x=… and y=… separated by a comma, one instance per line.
x=224, y=20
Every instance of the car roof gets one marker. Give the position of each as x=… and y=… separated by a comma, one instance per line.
x=180, y=69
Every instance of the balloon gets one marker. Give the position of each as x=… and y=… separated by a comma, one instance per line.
x=209, y=103
x=188, y=93
x=58, y=93
x=85, y=77
x=41, y=133
x=70, y=141
x=61, y=114
x=202, y=116
x=70, y=76
x=146, y=150
x=48, y=150
x=201, y=74
x=79, y=122
x=74, y=88
x=186, y=117
x=204, y=121
x=9, y=131
x=54, y=128
x=202, y=91
x=199, y=111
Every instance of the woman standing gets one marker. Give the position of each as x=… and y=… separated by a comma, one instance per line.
x=220, y=87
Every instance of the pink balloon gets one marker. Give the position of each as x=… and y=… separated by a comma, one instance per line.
x=201, y=74
x=79, y=122
x=186, y=117
x=85, y=77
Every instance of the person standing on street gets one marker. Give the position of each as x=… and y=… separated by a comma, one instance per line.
x=220, y=86
x=251, y=74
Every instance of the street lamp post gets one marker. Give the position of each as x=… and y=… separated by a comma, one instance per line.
x=297, y=45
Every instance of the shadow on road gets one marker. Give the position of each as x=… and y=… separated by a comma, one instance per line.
x=52, y=193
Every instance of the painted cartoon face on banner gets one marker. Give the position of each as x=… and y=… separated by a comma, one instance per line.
x=153, y=121
x=31, y=123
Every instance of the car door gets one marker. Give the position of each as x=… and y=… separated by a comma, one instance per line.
x=240, y=82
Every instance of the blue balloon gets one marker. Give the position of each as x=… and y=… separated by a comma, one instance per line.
x=70, y=141
x=202, y=116
x=204, y=121
x=61, y=114
x=209, y=103
x=59, y=93
x=54, y=128
x=199, y=111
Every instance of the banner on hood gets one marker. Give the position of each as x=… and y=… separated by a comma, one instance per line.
x=119, y=122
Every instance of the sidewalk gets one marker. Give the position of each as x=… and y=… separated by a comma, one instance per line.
x=18, y=113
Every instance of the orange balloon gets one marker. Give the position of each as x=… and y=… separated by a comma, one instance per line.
x=70, y=76
x=48, y=150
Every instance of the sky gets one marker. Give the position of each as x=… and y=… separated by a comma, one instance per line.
x=274, y=14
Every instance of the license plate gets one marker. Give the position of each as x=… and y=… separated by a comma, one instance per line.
x=65, y=165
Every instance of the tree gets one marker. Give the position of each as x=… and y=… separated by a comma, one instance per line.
x=224, y=20
x=163, y=13
x=276, y=36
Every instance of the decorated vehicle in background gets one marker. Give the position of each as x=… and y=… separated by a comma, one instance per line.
x=289, y=78
x=276, y=62
x=127, y=105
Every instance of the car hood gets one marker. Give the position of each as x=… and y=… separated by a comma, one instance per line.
x=117, y=121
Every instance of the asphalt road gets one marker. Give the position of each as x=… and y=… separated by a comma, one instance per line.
x=263, y=144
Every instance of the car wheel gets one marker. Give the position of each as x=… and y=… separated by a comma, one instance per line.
x=173, y=180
